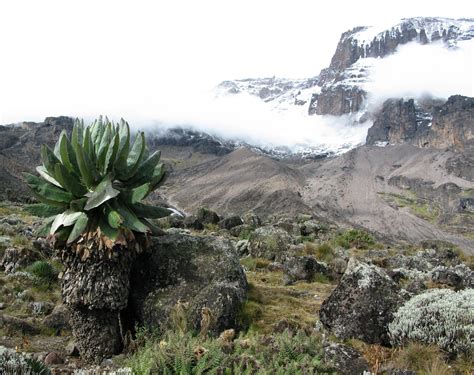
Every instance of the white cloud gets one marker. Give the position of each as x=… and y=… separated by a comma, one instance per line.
x=419, y=70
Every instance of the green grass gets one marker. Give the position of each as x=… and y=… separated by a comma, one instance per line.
x=253, y=264
x=419, y=207
x=45, y=272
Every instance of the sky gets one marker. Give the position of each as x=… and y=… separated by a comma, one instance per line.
x=138, y=58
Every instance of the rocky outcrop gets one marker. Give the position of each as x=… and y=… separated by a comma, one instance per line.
x=439, y=125
x=338, y=100
x=270, y=243
x=187, y=280
x=302, y=268
x=362, y=305
x=452, y=125
x=345, y=360
x=395, y=123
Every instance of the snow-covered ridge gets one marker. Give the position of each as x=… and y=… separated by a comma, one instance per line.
x=449, y=30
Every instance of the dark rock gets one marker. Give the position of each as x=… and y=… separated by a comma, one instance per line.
x=338, y=100
x=345, y=359
x=302, y=268
x=230, y=222
x=17, y=325
x=2, y=305
x=362, y=305
x=395, y=123
x=242, y=231
x=206, y=216
x=252, y=219
x=310, y=227
x=466, y=205
x=270, y=243
x=416, y=287
x=15, y=258
x=58, y=319
x=192, y=222
x=459, y=277
x=53, y=358
x=197, y=278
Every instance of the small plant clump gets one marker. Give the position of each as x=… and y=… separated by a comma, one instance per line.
x=12, y=362
x=439, y=317
x=43, y=271
x=355, y=238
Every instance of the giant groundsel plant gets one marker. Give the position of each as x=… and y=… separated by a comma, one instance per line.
x=93, y=183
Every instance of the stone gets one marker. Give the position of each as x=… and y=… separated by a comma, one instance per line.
x=242, y=247
x=310, y=227
x=459, y=276
x=362, y=305
x=15, y=258
x=58, y=319
x=41, y=307
x=207, y=216
x=243, y=230
x=302, y=268
x=345, y=360
x=250, y=218
x=53, y=358
x=2, y=305
x=17, y=325
x=230, y=222
x=270, y=243
x=192, y=222
x=195, y=281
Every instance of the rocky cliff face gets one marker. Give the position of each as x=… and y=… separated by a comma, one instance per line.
x=425, y=124
x=363, y=42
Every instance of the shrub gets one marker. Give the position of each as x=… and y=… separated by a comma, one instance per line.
x=440, y=316
x=43, y=270
x=94, y=182
x=355, y=238
x=12, y=362
x=284, y=353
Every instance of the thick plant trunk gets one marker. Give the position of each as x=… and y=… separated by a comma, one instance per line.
x=95, y=286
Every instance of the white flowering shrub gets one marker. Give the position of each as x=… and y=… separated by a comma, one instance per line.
x=441, y=317
x=14, y=363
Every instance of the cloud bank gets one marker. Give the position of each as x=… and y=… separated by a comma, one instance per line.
x=423, y=70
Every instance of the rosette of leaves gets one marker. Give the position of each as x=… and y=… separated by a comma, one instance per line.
x=91, y=185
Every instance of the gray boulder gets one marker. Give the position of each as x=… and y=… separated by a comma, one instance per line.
x=230, y=222
x=15, y=258
x=270, y=243
x=459, y=277
x=251, y=219
x=196, y=280
x=207, y=216
x=302, y=268
x=362, y=305
x=345, y=359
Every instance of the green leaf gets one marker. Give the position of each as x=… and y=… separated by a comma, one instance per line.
x=43, y=210
x=114, y=219
x=78, y=204
x=124, y=147
x=47, y=190
x=104, y=147
x=79, y=227
x=63, y=233
x=88, y=147
x=145, y=170
x=102, y=193
x=70, y=182
x=111, y=155
x=137, y=194
x=131, y=221
x=85, y=167
x=150, y=212
x=76, y=137
x=43, y=231
x=66, y=151
x=65, y=219
x=44, y=173
x=158, y=177
x=49, y=159
x=134, y=157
